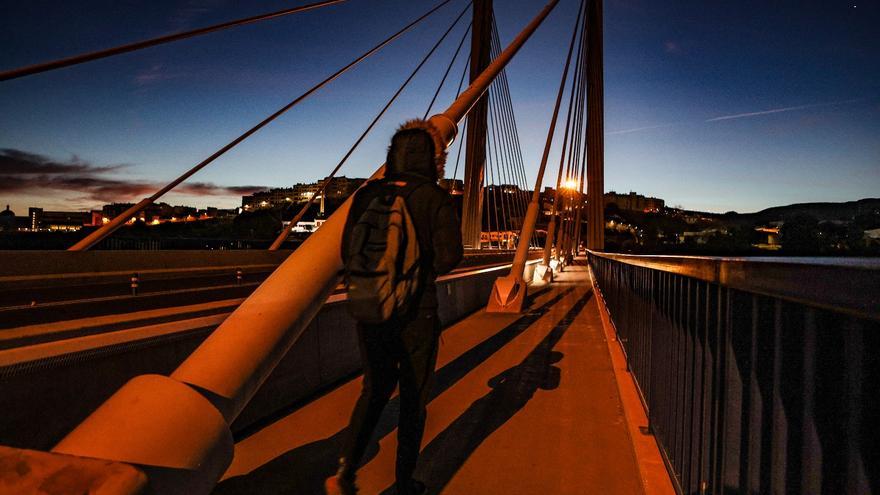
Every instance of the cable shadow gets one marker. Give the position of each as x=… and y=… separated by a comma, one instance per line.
x=303, y=470
x=512, y=389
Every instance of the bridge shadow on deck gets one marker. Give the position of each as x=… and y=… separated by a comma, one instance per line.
x=512, y=389
x=302, y=470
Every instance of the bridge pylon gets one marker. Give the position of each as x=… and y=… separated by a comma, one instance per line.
x=509, y=293
x=475, y=144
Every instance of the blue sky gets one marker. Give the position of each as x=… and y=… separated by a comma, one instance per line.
x=710, y=105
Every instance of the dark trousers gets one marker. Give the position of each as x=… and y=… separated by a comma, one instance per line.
x=397, y=351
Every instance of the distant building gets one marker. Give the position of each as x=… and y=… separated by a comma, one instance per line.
x=872, y=237
x=342, y=187
x=702, y=236
x=276, y=197
x=634, y=202
x=159, y=213
x=214, y=212
x=113, y=210
x=769, y=238
x=7, y=220
x=57, y=220
x=96, y=218
x=338, y=188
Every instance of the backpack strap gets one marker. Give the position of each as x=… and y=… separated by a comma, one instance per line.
x=408, y=186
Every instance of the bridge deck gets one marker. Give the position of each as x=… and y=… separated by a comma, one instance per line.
x=521, y=404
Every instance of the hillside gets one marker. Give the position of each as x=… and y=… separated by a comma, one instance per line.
x=821, y=211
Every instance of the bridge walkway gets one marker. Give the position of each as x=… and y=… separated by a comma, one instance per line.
x=521, y=404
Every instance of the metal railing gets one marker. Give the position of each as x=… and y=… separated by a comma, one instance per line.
x=758, y=375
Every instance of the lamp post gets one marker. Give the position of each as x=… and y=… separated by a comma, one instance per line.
x=568, y=190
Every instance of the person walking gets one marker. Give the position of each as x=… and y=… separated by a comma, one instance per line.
x=393, y=295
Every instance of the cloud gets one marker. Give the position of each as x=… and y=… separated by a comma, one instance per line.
x=14, y=161
x=183, y=17
x=21, y=172
x=671, y=46
x=208, y=189
x=637, y=129
x=807, y=121
x=156, y=73
x=780, y=110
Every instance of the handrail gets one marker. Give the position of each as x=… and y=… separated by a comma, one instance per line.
x=846, y=285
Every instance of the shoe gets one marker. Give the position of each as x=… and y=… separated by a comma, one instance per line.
x=414, y=487
x=338, y=485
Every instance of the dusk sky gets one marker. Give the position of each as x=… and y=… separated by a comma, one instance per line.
x=709, y=105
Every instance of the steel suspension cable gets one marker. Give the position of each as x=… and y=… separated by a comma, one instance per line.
x=464, y=126
x=576, y=135
x=285, y=232
x=565, y=161
x=516, y=165
x=513, y=207
x=507, y=109
x=492, y=156
x=517, y=270
x=486, y=211
x=493, y=185
x=458, y=156
x=571, y=166
x=577, y=130
x=516, y=206
x=139, y=45
x=555, y=220
x=448, y=68
x=119, y=220
x=498, y=159
x=517, y=168
x=504, y=151
x=583, y=170
x=580, y=204
x=580, y=164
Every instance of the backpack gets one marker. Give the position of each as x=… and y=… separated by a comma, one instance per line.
x=382, y=270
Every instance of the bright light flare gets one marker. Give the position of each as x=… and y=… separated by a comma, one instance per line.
x=570, y=184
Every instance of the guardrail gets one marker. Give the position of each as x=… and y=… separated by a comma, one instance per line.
x=54, y=384
x=41, y=286
x=758, y=375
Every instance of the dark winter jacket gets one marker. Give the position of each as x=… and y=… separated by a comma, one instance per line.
x=437, y=224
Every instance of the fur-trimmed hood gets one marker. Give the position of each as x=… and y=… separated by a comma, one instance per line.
x=418, y=148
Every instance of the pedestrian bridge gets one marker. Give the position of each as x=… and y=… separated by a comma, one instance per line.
x=521, y=404
x=641, y=374
x=625, y=374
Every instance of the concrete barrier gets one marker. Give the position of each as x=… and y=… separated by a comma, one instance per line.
x=45, y=397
